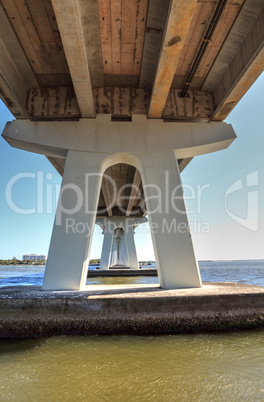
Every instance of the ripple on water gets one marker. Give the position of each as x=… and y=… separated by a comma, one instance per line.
x=214, y=367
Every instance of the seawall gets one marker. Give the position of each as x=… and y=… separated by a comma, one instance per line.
x=29, y=312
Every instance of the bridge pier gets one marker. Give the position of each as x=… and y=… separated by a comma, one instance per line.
x=70, y=245
x=71, y=238
x=119, y=243
x=90, y=146
x=171, y=237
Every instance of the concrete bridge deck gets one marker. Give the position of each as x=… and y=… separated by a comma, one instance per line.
x=28, y=311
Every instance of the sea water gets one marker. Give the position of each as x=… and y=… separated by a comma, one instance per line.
x=201, y=367
x=250, y=272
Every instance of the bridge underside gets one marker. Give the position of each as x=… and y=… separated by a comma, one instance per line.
x=171, y=59
x=128, y=92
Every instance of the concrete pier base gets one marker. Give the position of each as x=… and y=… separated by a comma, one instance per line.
x=121, y=272
x=29, y=312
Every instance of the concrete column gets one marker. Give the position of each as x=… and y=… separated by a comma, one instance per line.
x=119, y=248
x=123, y=251
x=176, y=262
x=122, y=228
x=71, y=239
x=107, y=247
x=131, y=248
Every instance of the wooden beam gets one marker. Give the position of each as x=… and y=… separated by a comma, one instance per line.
x=134, y=191
x=245, y=68
x=178, y=22
x=69, y=19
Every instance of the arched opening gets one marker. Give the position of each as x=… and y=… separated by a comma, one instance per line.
x=121, y=192
x=121, y=208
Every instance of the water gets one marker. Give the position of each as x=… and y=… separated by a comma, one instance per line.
x=201, y=367
x=212, y=367
x=250, y=272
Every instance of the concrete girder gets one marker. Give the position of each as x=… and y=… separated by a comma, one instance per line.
x=134, y=191
x=178, y=22
x=109, y=226
x=16, y=76
x=182, y=163
x=59, y=163
x=60, y=102
x=156, y=21
x=101, y=135
x=69, y=19
x=106, y=194
x=245, y=68
x=69, y=247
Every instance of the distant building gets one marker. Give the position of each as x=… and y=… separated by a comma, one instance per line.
x=41, y=257
x=33, y=256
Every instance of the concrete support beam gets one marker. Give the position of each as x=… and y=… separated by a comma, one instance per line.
x=131, y=248
x=119, y=252
x=69, y=251
x=52, y=103
x=12, y=88
x=182, y=163
x=101, y=135
x=107, y=196
x=91, y=32
x=121, y=101
x=107, y=247
x=176, y=262
x=178, y=22
x=156, y=21
x=245, y=68
x=61, y=102
x=134, y=191
x=16, y=76
x=98, y=144
x=196, y=106
x=69, y=19
x=57, y=163
x=119, y=238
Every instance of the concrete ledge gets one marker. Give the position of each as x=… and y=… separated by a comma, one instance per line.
x=28, y=312
x=113, y=272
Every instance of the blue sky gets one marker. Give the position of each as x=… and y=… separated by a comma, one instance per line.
x=221, y=230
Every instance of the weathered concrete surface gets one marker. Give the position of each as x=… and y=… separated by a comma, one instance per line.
x=27, y=312
x=112, y=272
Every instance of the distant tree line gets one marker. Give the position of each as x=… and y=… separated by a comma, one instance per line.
x=15, y=261
x=95, y=261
